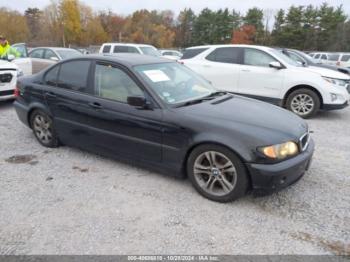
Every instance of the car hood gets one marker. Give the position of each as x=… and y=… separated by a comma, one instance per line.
x=333, y=67
x=7, y=65
x=266, y=119
x=327, y=72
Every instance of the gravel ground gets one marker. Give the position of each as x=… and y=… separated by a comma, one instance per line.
x=66, y=201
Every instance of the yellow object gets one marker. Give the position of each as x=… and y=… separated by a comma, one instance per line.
x=6, y=50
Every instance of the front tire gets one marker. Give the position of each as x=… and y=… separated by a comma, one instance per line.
x=303, y=102
x=217, y=173
x=43, y=129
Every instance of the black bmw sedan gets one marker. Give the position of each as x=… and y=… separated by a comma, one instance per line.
x=159, y=114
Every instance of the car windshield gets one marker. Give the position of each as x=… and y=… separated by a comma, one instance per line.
x=175, y=83
x=279, y=54
x=69, y=53
x=148, y=50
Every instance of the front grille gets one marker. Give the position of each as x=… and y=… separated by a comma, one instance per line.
x=304, y=141
x=5, y=78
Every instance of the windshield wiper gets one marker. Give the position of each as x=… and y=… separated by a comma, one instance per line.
x=217, y=93
x=196, y=101
x=206, y=98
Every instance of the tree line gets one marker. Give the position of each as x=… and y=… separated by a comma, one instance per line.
x=71, y=22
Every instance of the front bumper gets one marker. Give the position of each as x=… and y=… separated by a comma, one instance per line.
x=6, y=97
x=334, y=106
x=6, y=94
x=267, y=178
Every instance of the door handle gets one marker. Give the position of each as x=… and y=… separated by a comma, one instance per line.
x=50, y=94
x=207, y=66
x=245, y=70
x=95, y=105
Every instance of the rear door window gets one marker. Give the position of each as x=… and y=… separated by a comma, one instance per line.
x=190, y=53
x=73, y=75
x=51, y=76
x=231, y=55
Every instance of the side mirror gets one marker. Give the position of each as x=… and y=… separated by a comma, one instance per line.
x=54, y=58
x=10, y=57
x=138, y=101
x=276, y=65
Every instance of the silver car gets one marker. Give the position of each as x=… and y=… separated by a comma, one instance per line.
x=43, y=57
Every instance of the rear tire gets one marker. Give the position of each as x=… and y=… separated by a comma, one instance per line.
x=303, y=102
x=217, y=173
x=43, y=129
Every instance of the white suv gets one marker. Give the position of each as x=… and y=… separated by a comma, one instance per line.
x=264, y=73
x=8, y=79
x=114, y=48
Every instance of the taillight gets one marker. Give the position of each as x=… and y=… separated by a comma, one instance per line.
x=338, y=63
x=180, y=62
x=16, y=92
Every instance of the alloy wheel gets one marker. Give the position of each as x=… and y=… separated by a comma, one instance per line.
x=42, y=129
x=302, y=104
x=215, y=173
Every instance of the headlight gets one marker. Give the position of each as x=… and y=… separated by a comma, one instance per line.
x=280, y=151
x=334, y=81
x=19, y=72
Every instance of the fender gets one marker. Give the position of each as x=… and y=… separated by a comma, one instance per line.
x=37, y=105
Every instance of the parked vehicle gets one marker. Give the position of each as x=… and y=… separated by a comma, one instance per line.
x=171, y=54
x=84, y=51
x=8, y=77
x=24, y=63
x=307, y=60
x=158, y=113
x=115, y=48
x=43, y=57
x=344, y=60
x=320, y=57
x=266, y=74
x=333, y=58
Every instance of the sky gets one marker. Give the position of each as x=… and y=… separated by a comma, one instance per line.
x=126, y=7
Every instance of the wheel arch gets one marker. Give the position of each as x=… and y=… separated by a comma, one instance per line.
x=36, y=106
x=201, y=143
x=284, y=102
